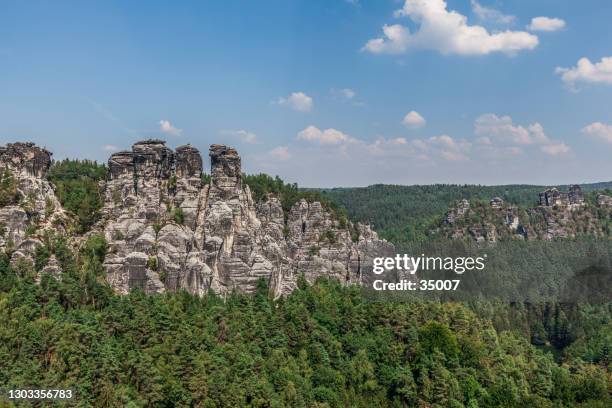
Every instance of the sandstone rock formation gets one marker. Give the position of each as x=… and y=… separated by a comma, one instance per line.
x=604, y=200
x=560, y=215
x=458, y=212
x=168, y=230
x=575, y=196
x=554, y=197
x=496, y=202
x=29, y=205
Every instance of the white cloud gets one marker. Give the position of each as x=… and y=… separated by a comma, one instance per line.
x=110, y=148
x=546, y=24
x=599, y=131
x=280, y=153
x=586, y=71
x=555, y=149
x=383, y=146
x=502, y=135
x=536, y=131
x=491, y=14
x=325, y=137
x=243, y=135
x=451, y=149
x=501, y=128
x=396, y=41
x=166, y=127
x=444, y=140
x=447, y=32
x=414, y=120
x=298, y=101
x=445, y=147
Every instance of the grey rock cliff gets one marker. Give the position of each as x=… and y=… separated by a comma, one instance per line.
x=31, y=207
x=168, y=230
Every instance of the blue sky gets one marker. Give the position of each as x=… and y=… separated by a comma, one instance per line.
x=323, y=93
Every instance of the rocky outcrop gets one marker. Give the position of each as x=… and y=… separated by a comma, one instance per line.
x=560, y=215
x=496, y=203
x=458, y=212
x=168, y=230
x=553, y=197
x=575, y=196
x=29, y=205
x=604, y=200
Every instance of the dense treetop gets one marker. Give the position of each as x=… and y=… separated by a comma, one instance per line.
x=322, y=346
x=77, y=188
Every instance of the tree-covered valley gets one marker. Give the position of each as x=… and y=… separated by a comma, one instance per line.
x=323, y=345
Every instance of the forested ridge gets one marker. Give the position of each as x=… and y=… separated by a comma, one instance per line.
x=407, y=213
x=324, y=345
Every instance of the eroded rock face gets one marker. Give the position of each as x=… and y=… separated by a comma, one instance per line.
x=458, y=212
x=604, y=200
x=167, y=230
x=560, y=215
x=29, y=205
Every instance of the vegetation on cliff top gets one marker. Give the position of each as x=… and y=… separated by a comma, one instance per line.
x=77, y=188
x=262, y=185
x=8, y=188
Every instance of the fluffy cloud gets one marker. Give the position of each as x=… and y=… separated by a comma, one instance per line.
x=413, y=120
x=447, y=32
x=325, y=137
x=110, y=148
x=501, y=128
x=500, y=132
x=280, y=153
x=599, y=131
x=445, y=147
x=243, y=135
x=546, y=24
x=586, y=71
x=298, y=101
x=383, y=146
x=166, y=127
x=555, y=149
x=396, y=41
x=491, y=14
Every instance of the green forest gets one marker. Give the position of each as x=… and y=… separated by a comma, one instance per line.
x=324, y=345
x=405, y=214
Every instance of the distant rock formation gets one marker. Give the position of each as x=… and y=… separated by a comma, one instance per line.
x=458, y=212
x=575, y=195
x=559, y=215
x=496, y=203
x=33, y=207
x=553, y=197
x=604, y=200
x=168, y=230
